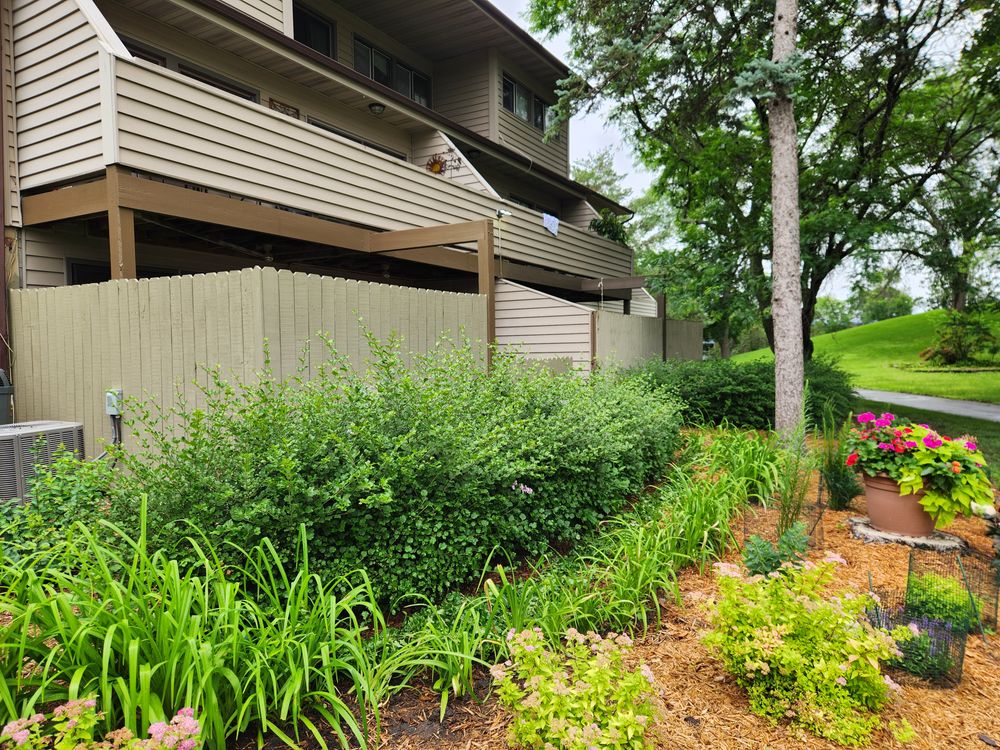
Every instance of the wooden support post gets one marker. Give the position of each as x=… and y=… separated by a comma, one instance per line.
x=121, y=231
x=487, y=284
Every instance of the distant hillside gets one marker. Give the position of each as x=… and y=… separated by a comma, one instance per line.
x=877, y=355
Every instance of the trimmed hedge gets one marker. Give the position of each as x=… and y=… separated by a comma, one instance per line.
x=717, y=391
x=414, y=474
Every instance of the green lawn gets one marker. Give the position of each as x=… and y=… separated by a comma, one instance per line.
x=874, y=353
x=987, y=434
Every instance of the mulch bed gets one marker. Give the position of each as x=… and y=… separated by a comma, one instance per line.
x=702, y=707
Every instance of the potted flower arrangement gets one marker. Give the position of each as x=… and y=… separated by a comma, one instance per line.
x=915, y=478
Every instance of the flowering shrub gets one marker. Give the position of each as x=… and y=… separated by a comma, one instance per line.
x=951, y=472
x=582, y=698
x=71, y=726
x=800, y=657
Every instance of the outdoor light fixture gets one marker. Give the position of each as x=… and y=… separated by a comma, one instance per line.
x=503, y=212
x=376, y=108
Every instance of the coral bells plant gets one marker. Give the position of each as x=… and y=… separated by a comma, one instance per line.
x=71, y=726
x=950, y=471
x=580, y=697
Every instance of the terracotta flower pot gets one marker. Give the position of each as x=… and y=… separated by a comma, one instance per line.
x=892, y=512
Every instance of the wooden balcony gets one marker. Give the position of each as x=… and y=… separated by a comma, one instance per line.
x=158, y=122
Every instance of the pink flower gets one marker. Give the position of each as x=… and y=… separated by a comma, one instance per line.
x=883, y=422
x=885, y=446
x=833, y=557
x=970, y=445
x=913, y=628
x=925, y=426
x=888, y=415
x=841, y=681
x=866, y=417
x=21, y=738
x=932, y=441
x=911, y=444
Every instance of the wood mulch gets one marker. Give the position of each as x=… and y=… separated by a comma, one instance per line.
x=702, y=707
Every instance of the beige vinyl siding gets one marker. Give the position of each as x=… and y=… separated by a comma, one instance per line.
x=578, y=212
x=57, y=92
x=179, y=128
x=47, y=254
x=462, y=91
x=270, y=12
x=522, y=136
x=153, y=337
x=614, y=305
x=12, y=196
x=430, y=143
x=541, y=326
x=627, y=340
x=643, y=303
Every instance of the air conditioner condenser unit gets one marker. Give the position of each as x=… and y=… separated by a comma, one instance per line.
x=27, y=444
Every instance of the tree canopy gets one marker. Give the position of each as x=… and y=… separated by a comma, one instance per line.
x=890, y=100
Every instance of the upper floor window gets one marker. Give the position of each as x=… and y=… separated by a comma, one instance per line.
x=313, y=30
x=356, y=138
x=172, y=62
x=531, y=108
x=382, y=68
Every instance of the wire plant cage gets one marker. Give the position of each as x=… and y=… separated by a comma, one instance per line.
x=766, y=521
x=958, y=587
x=933, y=650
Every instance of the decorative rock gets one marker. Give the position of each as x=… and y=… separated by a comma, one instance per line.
x=938, y=540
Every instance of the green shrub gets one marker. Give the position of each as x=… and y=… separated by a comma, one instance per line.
x=944, y=599
x=761, y=556
x=799, y=656
x=722, y=391
x=412, y=474
x=580, y=697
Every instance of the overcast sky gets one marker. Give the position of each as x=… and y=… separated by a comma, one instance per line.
x=590, y=133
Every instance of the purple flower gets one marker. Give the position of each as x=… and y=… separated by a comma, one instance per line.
x=866, y=417
x=932, y=441
x=970, y=445
x=520, y=487
x=885, y=446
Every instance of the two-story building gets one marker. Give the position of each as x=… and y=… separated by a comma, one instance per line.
x=409, y=143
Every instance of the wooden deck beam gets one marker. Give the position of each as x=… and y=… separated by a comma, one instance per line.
x=69, y=202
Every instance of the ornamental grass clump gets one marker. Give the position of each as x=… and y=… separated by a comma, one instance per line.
x=950, y=471
x=578, y=697
x=800, y=656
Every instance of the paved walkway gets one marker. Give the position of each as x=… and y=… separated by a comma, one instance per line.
x=977, y=409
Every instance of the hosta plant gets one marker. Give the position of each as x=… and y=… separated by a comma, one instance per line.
x=580, y=697
x=950, y=471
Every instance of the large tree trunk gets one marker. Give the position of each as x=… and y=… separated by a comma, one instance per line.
x=725, y=348
x=786, y=271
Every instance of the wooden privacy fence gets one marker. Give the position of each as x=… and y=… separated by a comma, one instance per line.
x=152, y=338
